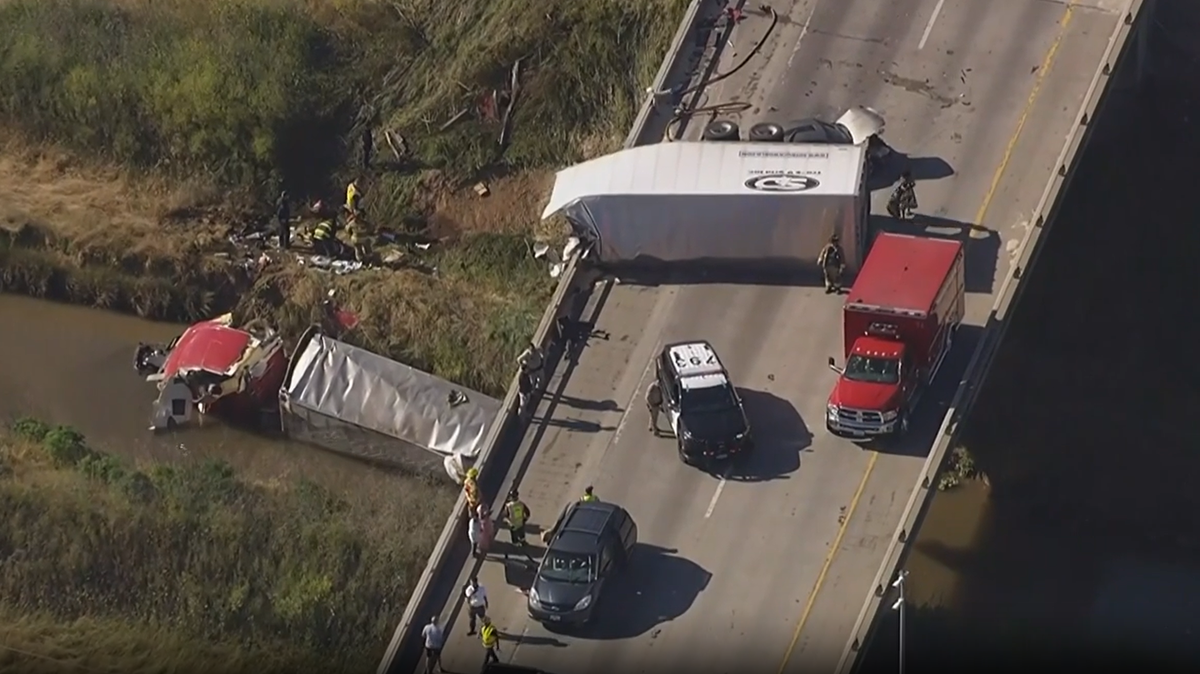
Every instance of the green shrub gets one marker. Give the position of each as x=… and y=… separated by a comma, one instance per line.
x=66, y=446
x=221, y=91
x=102, y=467
x=30, y=429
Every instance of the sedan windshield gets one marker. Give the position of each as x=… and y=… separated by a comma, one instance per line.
x=567, y=567
x=873, y=370
x=707, y=400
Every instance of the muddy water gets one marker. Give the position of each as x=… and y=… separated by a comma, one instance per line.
x=74, y=366
x=1084, y=542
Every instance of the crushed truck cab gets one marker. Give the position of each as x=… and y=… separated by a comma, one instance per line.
x=898, y=323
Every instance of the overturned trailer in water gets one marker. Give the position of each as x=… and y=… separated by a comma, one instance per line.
x=762, y=204
x=354, y=402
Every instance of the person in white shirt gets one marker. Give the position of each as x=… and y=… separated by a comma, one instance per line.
x=434, y=639
x=477, y=602
x=475, y=533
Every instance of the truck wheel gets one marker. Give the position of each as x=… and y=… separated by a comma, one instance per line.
x=722, y=129
x=766, y=132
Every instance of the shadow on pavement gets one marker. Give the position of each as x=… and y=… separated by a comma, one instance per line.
x=657, y=587
x=937, y=398
x=780, y=435
x=922, y=168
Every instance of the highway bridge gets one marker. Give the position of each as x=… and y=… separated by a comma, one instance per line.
x=770, y=567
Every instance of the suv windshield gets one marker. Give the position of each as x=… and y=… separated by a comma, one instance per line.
x=873, y=370
x=706, y=400
x=568, y=567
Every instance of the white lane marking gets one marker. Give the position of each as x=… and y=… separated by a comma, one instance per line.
x=803, y=32
x=628, y=406
x=712, y=505
x=929, y=26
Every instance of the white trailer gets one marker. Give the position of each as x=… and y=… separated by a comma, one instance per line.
x=358, y=403
x=723, y=202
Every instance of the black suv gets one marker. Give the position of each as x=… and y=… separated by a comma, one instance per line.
x=702, y=405
x=590, y=543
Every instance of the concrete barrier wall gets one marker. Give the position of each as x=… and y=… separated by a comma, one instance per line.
x=507, y=426
x=994, y=329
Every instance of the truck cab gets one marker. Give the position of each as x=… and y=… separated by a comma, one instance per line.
x=898, y=323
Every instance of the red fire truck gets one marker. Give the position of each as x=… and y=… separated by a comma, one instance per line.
x=898, y=323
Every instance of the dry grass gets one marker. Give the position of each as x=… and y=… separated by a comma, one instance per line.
x=103, y=558
x=148, y=130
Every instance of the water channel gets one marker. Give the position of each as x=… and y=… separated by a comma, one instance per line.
x=1083, y=543
x=74, y=366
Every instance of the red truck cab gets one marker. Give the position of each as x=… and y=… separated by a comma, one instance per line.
x=897, y=324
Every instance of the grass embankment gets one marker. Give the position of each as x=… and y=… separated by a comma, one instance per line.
x=113, y=567
x=180, y=118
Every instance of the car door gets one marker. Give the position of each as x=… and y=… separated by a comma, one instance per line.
x=669, y=384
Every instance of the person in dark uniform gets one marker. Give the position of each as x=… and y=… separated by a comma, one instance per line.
x=283, y=220
x=832, y=261
x=903, y=201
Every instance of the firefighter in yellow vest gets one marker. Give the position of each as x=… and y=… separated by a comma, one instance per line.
x=517, y=514
x=491, y=641
x=323, y=238
x=471, y=488
x=353, y=198
x=588, y=496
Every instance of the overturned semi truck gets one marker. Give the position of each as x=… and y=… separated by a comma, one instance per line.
x=354, y=402
x=765, y=204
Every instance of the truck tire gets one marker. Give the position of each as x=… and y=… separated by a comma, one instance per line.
x=766, y=132
x=721, y=130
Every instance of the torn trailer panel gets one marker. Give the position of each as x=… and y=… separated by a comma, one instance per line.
x=731, y=202
x=358, y=403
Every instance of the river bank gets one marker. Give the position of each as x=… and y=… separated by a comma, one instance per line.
x=1083, y=544
x=286, y=576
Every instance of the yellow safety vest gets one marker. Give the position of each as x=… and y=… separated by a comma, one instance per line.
x=322, y=231
x=517, y=513
x=351, y=196
x=488, y=636
x=588, y=498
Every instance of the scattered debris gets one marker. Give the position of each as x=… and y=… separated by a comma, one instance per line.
x=514, y=89
x=458, y=116
x=397, y=143
x=482, y=189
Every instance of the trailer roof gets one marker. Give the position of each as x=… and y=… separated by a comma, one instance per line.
x=904, y=272
x=363, y=389
x=682, y=169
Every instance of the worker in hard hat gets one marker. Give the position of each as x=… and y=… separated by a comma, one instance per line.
x=353, y=198
x=323, y=238
x=832, y=261
x=471, y=488
x=360, y=238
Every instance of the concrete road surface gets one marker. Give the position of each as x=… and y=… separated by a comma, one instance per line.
x=767, y=569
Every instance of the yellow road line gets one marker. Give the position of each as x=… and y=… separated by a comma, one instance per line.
x=1043, y=70
x=837, y=543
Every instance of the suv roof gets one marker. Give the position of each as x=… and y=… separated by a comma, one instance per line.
x=696, y=365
